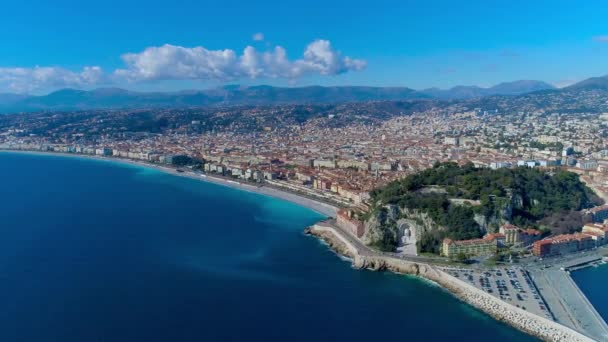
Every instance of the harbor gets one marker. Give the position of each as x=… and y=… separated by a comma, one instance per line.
x=566, y=301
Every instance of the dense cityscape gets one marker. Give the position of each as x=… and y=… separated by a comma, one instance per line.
x=340, y=152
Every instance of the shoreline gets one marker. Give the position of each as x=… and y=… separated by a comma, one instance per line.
x=520, y=319
x=319, y=207
x=365, y=258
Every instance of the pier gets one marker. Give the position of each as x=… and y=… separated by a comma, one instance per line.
x=566, y=301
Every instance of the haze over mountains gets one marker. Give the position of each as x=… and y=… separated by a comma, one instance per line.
x=506, y=88
x=114, y=98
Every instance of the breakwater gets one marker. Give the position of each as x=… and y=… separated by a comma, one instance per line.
x=568, y=303
x=525, y=321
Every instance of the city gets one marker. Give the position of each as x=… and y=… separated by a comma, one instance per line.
x=303, y=171
x=339, y=154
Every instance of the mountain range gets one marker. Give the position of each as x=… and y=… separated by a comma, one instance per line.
x=115, y=98
x=506, y=88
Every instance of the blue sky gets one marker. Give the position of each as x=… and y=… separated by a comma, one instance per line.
x=419, y=44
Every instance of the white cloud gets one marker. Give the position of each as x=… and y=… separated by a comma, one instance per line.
x=258, y=37
x=23, y=80
x=170, y=62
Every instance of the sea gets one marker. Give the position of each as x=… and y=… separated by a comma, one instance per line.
x=94, y=250
x=592, y=282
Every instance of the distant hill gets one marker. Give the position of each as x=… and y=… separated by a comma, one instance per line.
x=506, y=88
x=7, y=99
x=116, y=98
x=593, y=83
x=72, y=99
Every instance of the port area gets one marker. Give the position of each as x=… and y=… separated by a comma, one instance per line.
x=544, y=287
x=510, y=284
x=568, y=304
x=547, y=291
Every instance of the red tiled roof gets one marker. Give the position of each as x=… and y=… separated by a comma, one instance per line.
x=597, y=209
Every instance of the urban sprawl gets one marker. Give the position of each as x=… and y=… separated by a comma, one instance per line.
x=339, y=153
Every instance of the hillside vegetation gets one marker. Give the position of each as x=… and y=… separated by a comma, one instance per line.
x=522, y=196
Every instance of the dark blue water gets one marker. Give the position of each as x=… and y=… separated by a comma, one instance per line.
x=100, y=251
x=592, y=281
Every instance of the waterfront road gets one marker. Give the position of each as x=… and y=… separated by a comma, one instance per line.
x=367, y=251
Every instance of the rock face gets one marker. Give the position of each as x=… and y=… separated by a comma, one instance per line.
x=381, y=229
x=388, y=223
x=391, y=222
x=501, y=215
x=420, y=222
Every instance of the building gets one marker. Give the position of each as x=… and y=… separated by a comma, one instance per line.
x=383, y=166
x=599, y=231
x=475, y=247
x=529, y=236
x=542, y=248
x=563, y=244
x=527, y=163
x=321, y=163
x=269, y=175
x=359, y=165
x=587, y=164
x=499, y=165
x=598, y=214
x=103, y=152
x=455, y=141
x=345, y=220
x=305, y=178
x=515, y=236
x=549, y=162
x=511, y=234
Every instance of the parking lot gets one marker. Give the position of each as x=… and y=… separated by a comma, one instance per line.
x=512, y=285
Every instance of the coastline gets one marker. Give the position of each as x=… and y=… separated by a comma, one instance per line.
x=365, y=258
x=319, y=207
x=520, y=319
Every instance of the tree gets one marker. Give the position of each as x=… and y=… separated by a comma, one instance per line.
x=461, y=258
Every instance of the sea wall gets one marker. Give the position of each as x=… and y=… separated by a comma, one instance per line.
x=525, y=321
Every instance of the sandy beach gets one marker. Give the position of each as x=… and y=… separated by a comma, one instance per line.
x=322, y=208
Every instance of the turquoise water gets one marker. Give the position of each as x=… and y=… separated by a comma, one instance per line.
x=101, y=251
x=592, y=281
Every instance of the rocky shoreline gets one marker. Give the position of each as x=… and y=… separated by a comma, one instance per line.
x=520, y=319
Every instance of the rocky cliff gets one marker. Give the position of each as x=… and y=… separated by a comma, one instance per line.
x=386, y=224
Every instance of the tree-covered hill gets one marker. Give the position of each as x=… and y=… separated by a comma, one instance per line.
x=522, y=196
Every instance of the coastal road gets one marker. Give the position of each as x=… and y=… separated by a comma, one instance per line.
x=367, y=251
